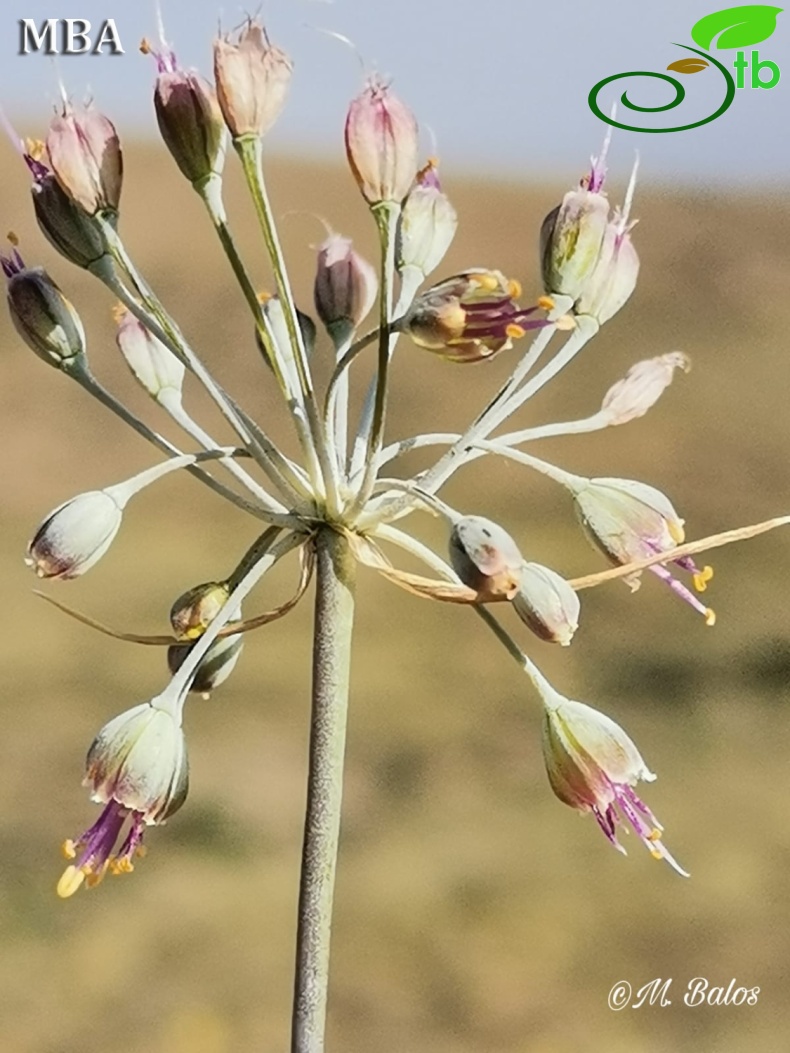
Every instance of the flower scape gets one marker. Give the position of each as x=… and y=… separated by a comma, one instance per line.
x=340, y=504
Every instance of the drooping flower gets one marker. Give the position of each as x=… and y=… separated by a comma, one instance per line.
x=137, y=768
x=485, y=557
x=630, y=521
x=471, y=316
x=75, y=536
x=593, y=766
x=642, y=386
x=547, y=604
x=381, y=143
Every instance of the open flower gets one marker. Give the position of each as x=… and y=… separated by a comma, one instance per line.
x=629, y=521
x=471, y=316
x=137, y=767
x=593, y=766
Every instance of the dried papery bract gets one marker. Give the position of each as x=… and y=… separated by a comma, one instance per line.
x=85, y=154
x=486, y=558
x=381, y=143
x=137, y=767
x=252, y=77
x=593, y=766
x=641, y=387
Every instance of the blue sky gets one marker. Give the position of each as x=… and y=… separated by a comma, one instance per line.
x=501, y=84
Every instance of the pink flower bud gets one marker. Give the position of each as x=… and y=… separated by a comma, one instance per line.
x=381, y=144
x=85, y=154
x=190, y=121
x=641, y=387
x=345, y=287
x=486, y=558
x=154, y=365
x=252, y=80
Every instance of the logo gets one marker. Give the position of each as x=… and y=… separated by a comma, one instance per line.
x=734, y=28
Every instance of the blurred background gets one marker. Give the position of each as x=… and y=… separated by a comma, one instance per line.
x=474, y=911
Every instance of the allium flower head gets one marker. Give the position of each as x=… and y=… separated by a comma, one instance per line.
x=381, y=143
x=629, y=521
x=137, y=767
x=85, y=154
x=471, y=316
x=547, y=604
x=41, y=314
x=593, y=766
x=252, y=78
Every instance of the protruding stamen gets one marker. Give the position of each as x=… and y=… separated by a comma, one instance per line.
x=545, y=303
x=702, y=577
x=515, y=332
x=69, y=849
x=710, y=617
x=70, y=881
x=514, y=288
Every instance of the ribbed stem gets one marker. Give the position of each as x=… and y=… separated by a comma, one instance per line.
x=334, y=615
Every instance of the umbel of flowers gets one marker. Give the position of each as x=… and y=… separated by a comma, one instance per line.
x=340, y=502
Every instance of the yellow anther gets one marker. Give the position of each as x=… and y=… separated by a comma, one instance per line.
x=13, y=239
x=545, y=303
x=710, y=617
x=263, y=296
x=514, y=289
x=515, y=332
x=656, y=853
x=92, y=880
x=70, y=881
x=702, y=577
x=486, y=281
x=35, y=149
x=145, y=47
x=192, y=632
x=69, y=849
x=654, y=835
x=125, y=865
x=676, y=531
x=119, y=312
x=430, y=164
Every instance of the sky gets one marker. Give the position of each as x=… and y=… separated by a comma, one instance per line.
x=499, y=86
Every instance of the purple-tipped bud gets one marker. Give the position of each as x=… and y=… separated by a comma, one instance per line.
x=137, y=767
x=381, y=144
x=486, y=558
x=75, y=536
x=471, y=316
x=641, y=387
x=547, y=604
x=42, y=315
x=154, y=365
x=85, y=154
x=189, y=119
x=345, y=287
x=252, y=78
x=427, y=225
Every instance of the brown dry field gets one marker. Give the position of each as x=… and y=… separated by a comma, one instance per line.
x=474, y=911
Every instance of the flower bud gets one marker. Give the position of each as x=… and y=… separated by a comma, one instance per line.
x=570, y=241
x=470, y=317
x=75, y=536
x=85, y=154
x=486, y=558
x=252, y=80
x=196, y=609
x=214, y=668
x=137, y=767
x=630, y=521
x=641, y=387
x=273, y=309
x=155, y=366
x=42, y=315
x=190, y=121
x=592, y=766
x=547, y=604
x=427, y=225
x=345, y=287
x=381, y=144
x=65, y=224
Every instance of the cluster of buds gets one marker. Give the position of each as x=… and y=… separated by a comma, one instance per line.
x=471, y=316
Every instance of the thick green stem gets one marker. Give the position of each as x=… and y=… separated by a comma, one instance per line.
x=334, y=615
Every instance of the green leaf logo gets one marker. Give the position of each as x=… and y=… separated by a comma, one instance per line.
x=736, y=27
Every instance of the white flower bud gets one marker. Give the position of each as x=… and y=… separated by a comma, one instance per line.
x=75, y=535
x=155, y=367
x=486, y=558
x=427, y=225
x=547, y=604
